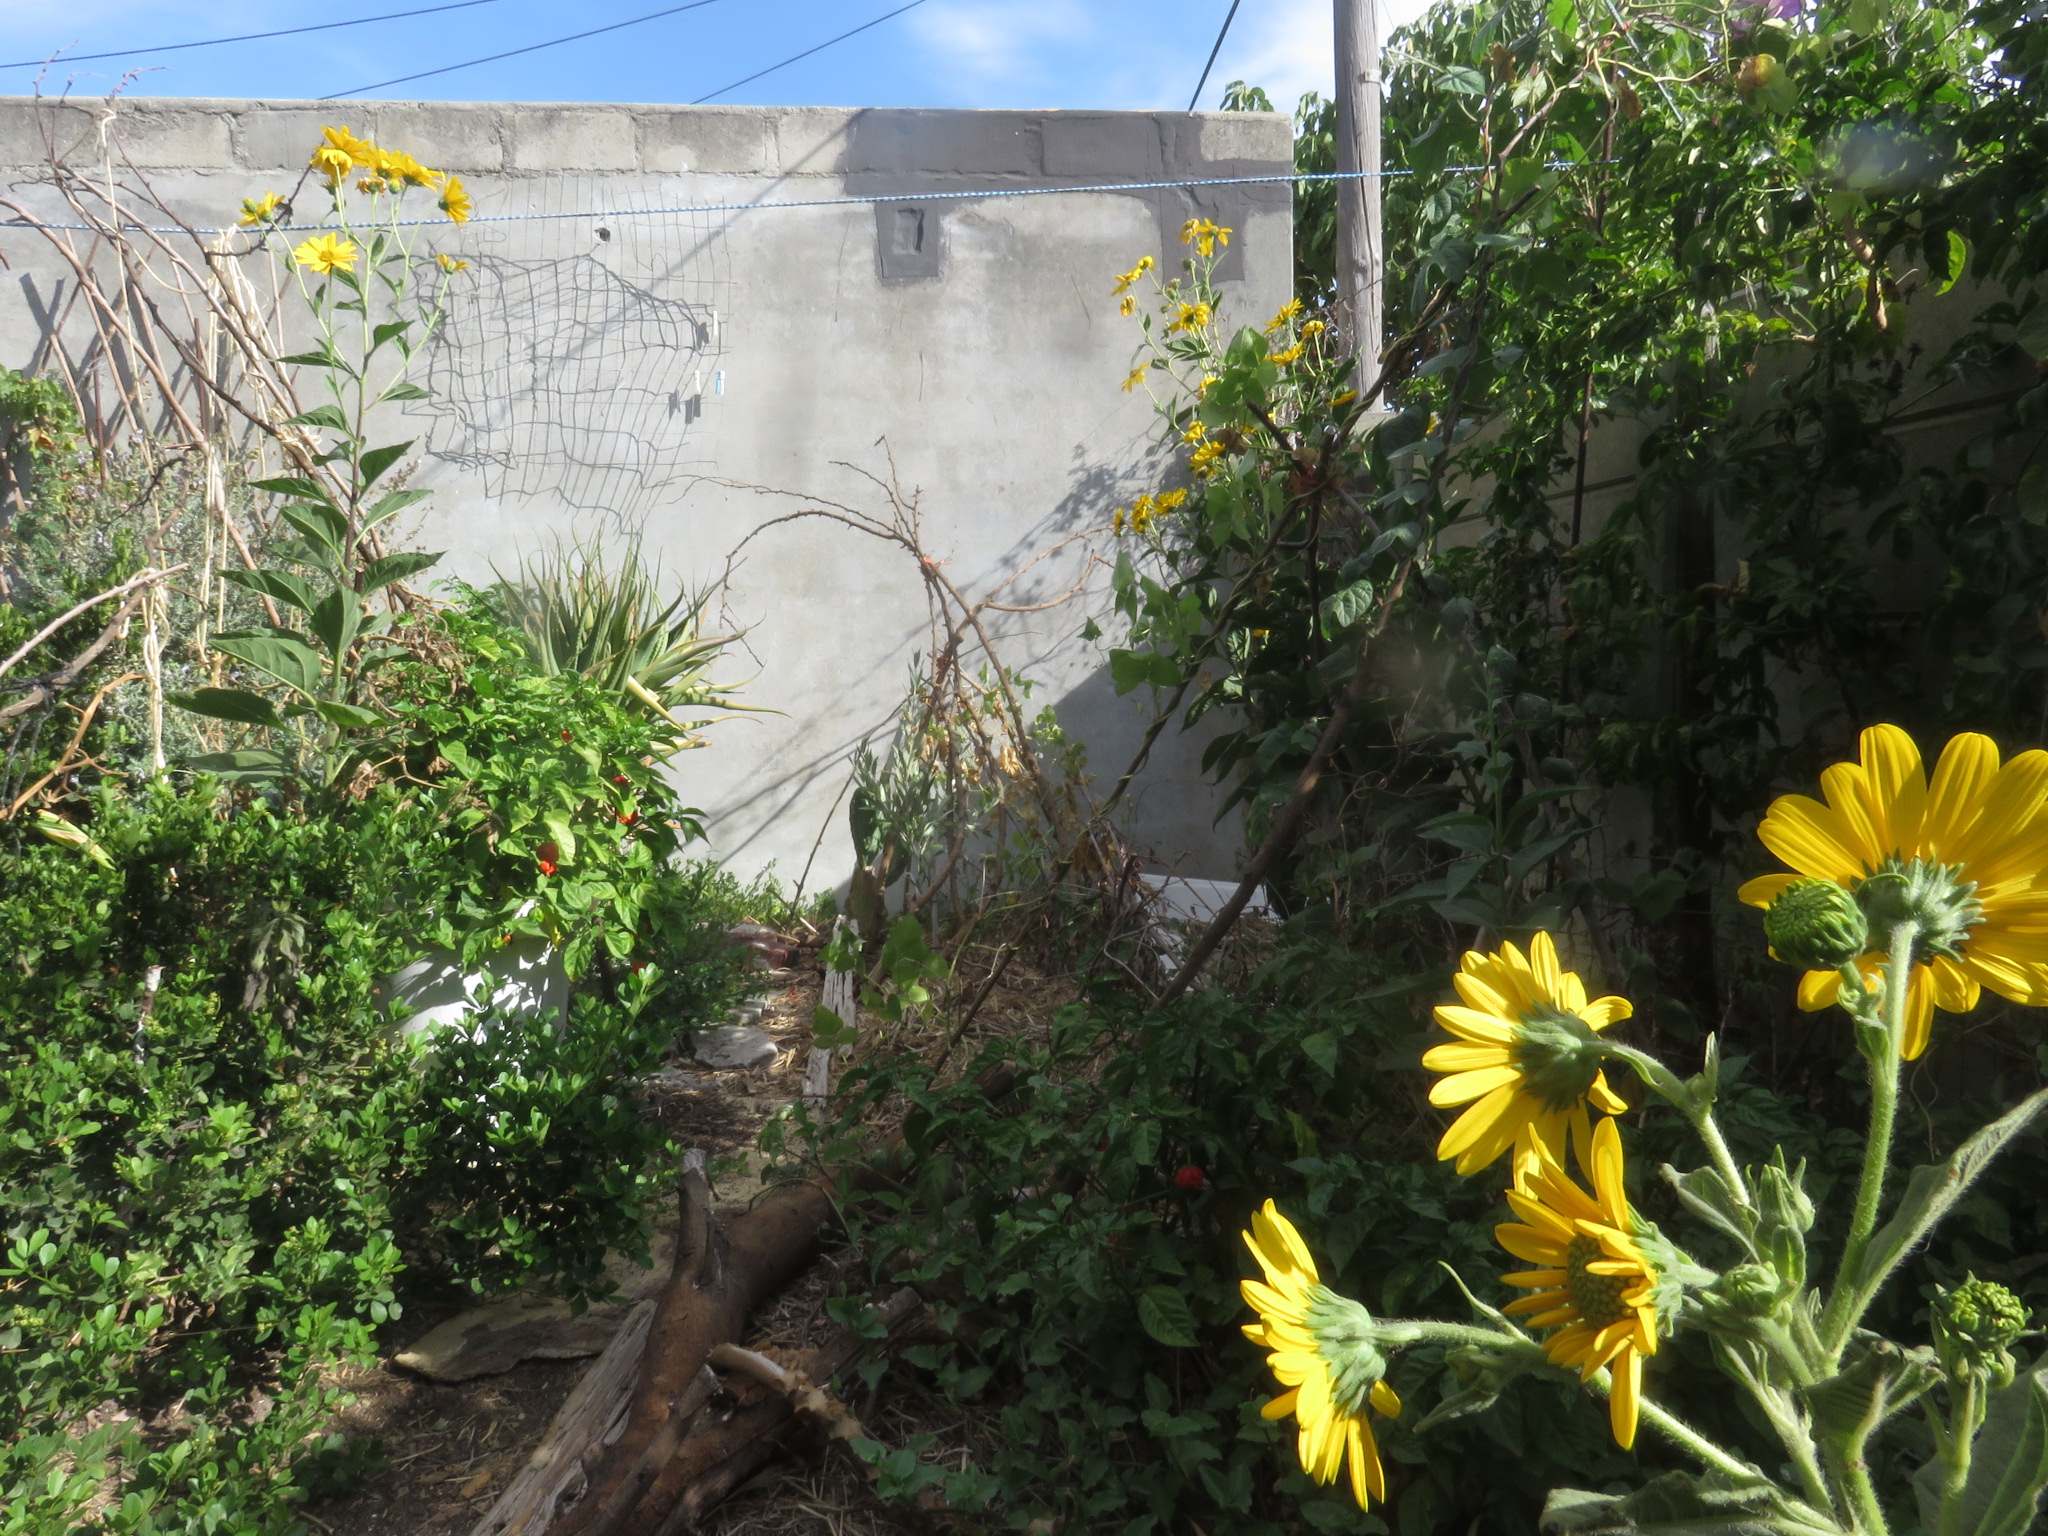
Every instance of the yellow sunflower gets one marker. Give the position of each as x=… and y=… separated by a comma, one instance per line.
x=1527, y=1054
x=1593, y=1283
x=455, y=200
x=326, y=254
x=1965, y=854
x=1321, y=1352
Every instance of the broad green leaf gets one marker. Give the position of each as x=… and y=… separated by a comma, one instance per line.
x=1145, y=1141
x=337, y=620
x=325, y=528
x=831, y=1031
x=328, y=416
x=377, y=460
x=1164, y=1313
x=1347, y=606
x=295, y=486
x=1675, y=1504
x=2033, y=332
x=390, y=506
x=254, y=765
x=1132, y=669
x=405, y=392
x=565, y=839
x=326, y=358
x=1463, y=79
x=1958, y=261
x=1322, y=1049
x=349, y=717
x=281, y=586
x=385, y=332
x=382, y=572
x=1932, y=1191
x=280, y=654
x=228, y=704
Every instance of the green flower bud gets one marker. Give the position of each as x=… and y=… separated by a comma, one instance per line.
x=1559, y=1054
x=1348, y=1341
x=1816, y=925
x=1974, y=1325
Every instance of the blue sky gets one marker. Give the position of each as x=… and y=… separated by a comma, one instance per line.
x=1119, y=54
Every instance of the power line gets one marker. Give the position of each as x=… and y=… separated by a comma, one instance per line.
x=511, y=53
x=858, y=201
x=1228, y=18
x=251, y=37
x=842, y=37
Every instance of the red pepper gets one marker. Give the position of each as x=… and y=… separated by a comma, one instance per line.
x=1190, y=1178
x=547, y=854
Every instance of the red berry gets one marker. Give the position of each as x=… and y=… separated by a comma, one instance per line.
x=1190, y=1177
x=548, y=854
x=566, y=738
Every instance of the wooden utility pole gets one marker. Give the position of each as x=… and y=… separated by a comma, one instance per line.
x=1361, y=258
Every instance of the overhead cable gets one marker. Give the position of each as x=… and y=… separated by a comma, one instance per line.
x=512, y=53
x=819, y=48
x=246, y=37
x=1228, y=17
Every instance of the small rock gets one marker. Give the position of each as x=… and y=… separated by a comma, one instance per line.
x=674, y=1080
x=735, y=1045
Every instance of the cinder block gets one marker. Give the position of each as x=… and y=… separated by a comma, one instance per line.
x=171, y=138
x=30, y=131
x=1259, y=136
x=814, y=141
x=449, y=136
x=571, y=139
x=736, y=140
x=959, y=143
x=282, y=138
x=1121, y=146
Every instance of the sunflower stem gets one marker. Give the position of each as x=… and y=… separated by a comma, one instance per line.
x=1884, y=1058
x=1698, y=1111
x=1954, y=1448
x=1865, y=1508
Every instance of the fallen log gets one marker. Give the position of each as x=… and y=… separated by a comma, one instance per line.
x=721, y=1274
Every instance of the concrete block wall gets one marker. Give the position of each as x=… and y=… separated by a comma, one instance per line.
x=620, y=364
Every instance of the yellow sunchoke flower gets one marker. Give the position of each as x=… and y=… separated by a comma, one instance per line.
x=1191, y=316
x=1195, y=432
x=1527, y=1054
x=1137, y=377
x=455, y=200
x=1962, y=853
x=448, y=263
x=1127, y=306
x=260, y=210
x=1204, y=236
x=1126, y=279
x=1279, y=322
x=1332, y=1376
x=1290, y=356
x=327, y=254
x=1593, y=1283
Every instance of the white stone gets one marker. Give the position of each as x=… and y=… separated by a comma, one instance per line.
x=739, y=1046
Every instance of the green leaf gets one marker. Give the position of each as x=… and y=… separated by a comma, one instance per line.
x=328, y=416
x=253, y=765
x=1324, y=1050
x=1958, y=261
x=349, y=717
x=337, y=620
x=295, y=486
x=326, y=528
x=565, y=839
x=831, y=1031
x=405, y=392
x=382, y=572
x=228, y=704
x=390, y=506
x=280, y=586
x=1932, y=1191
x=326, y=358
x=2033, y=332
x=377, y=460
x=1346, y=606
x=1145, y=1142
x=1463, y=80
x=1164, y=1313
x=1677, y=1503
x=280, y=654
x=1133, y=669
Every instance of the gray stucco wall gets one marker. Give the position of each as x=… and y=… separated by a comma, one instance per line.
x=687, y=374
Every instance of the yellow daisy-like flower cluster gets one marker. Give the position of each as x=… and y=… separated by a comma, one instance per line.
x=1147, y=510
x=1968, y=846
x=1137, y=377
x=341, y=153
x=1592, y=1282
x=1196, y=431
x=1124, y=282
x=1289, y=312
x=260, y=210
x=1331, y=1376
x=1206, y=237
x=1526, y=1054
x=1206, y=461
x=327, y=254
x=1288, y=355
x=1191, y=316
x=455, y=201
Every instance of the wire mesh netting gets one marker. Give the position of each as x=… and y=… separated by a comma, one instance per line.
x=576, y=358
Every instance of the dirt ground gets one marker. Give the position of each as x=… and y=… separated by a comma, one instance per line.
x=452, y=1448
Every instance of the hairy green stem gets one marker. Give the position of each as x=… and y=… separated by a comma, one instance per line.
x=1955, y=1452
x=1842, y=1309
x=1853, y=1474
x=1665, y=1083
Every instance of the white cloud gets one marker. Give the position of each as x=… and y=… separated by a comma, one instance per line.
x=988, y=42
x=1288, y=47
